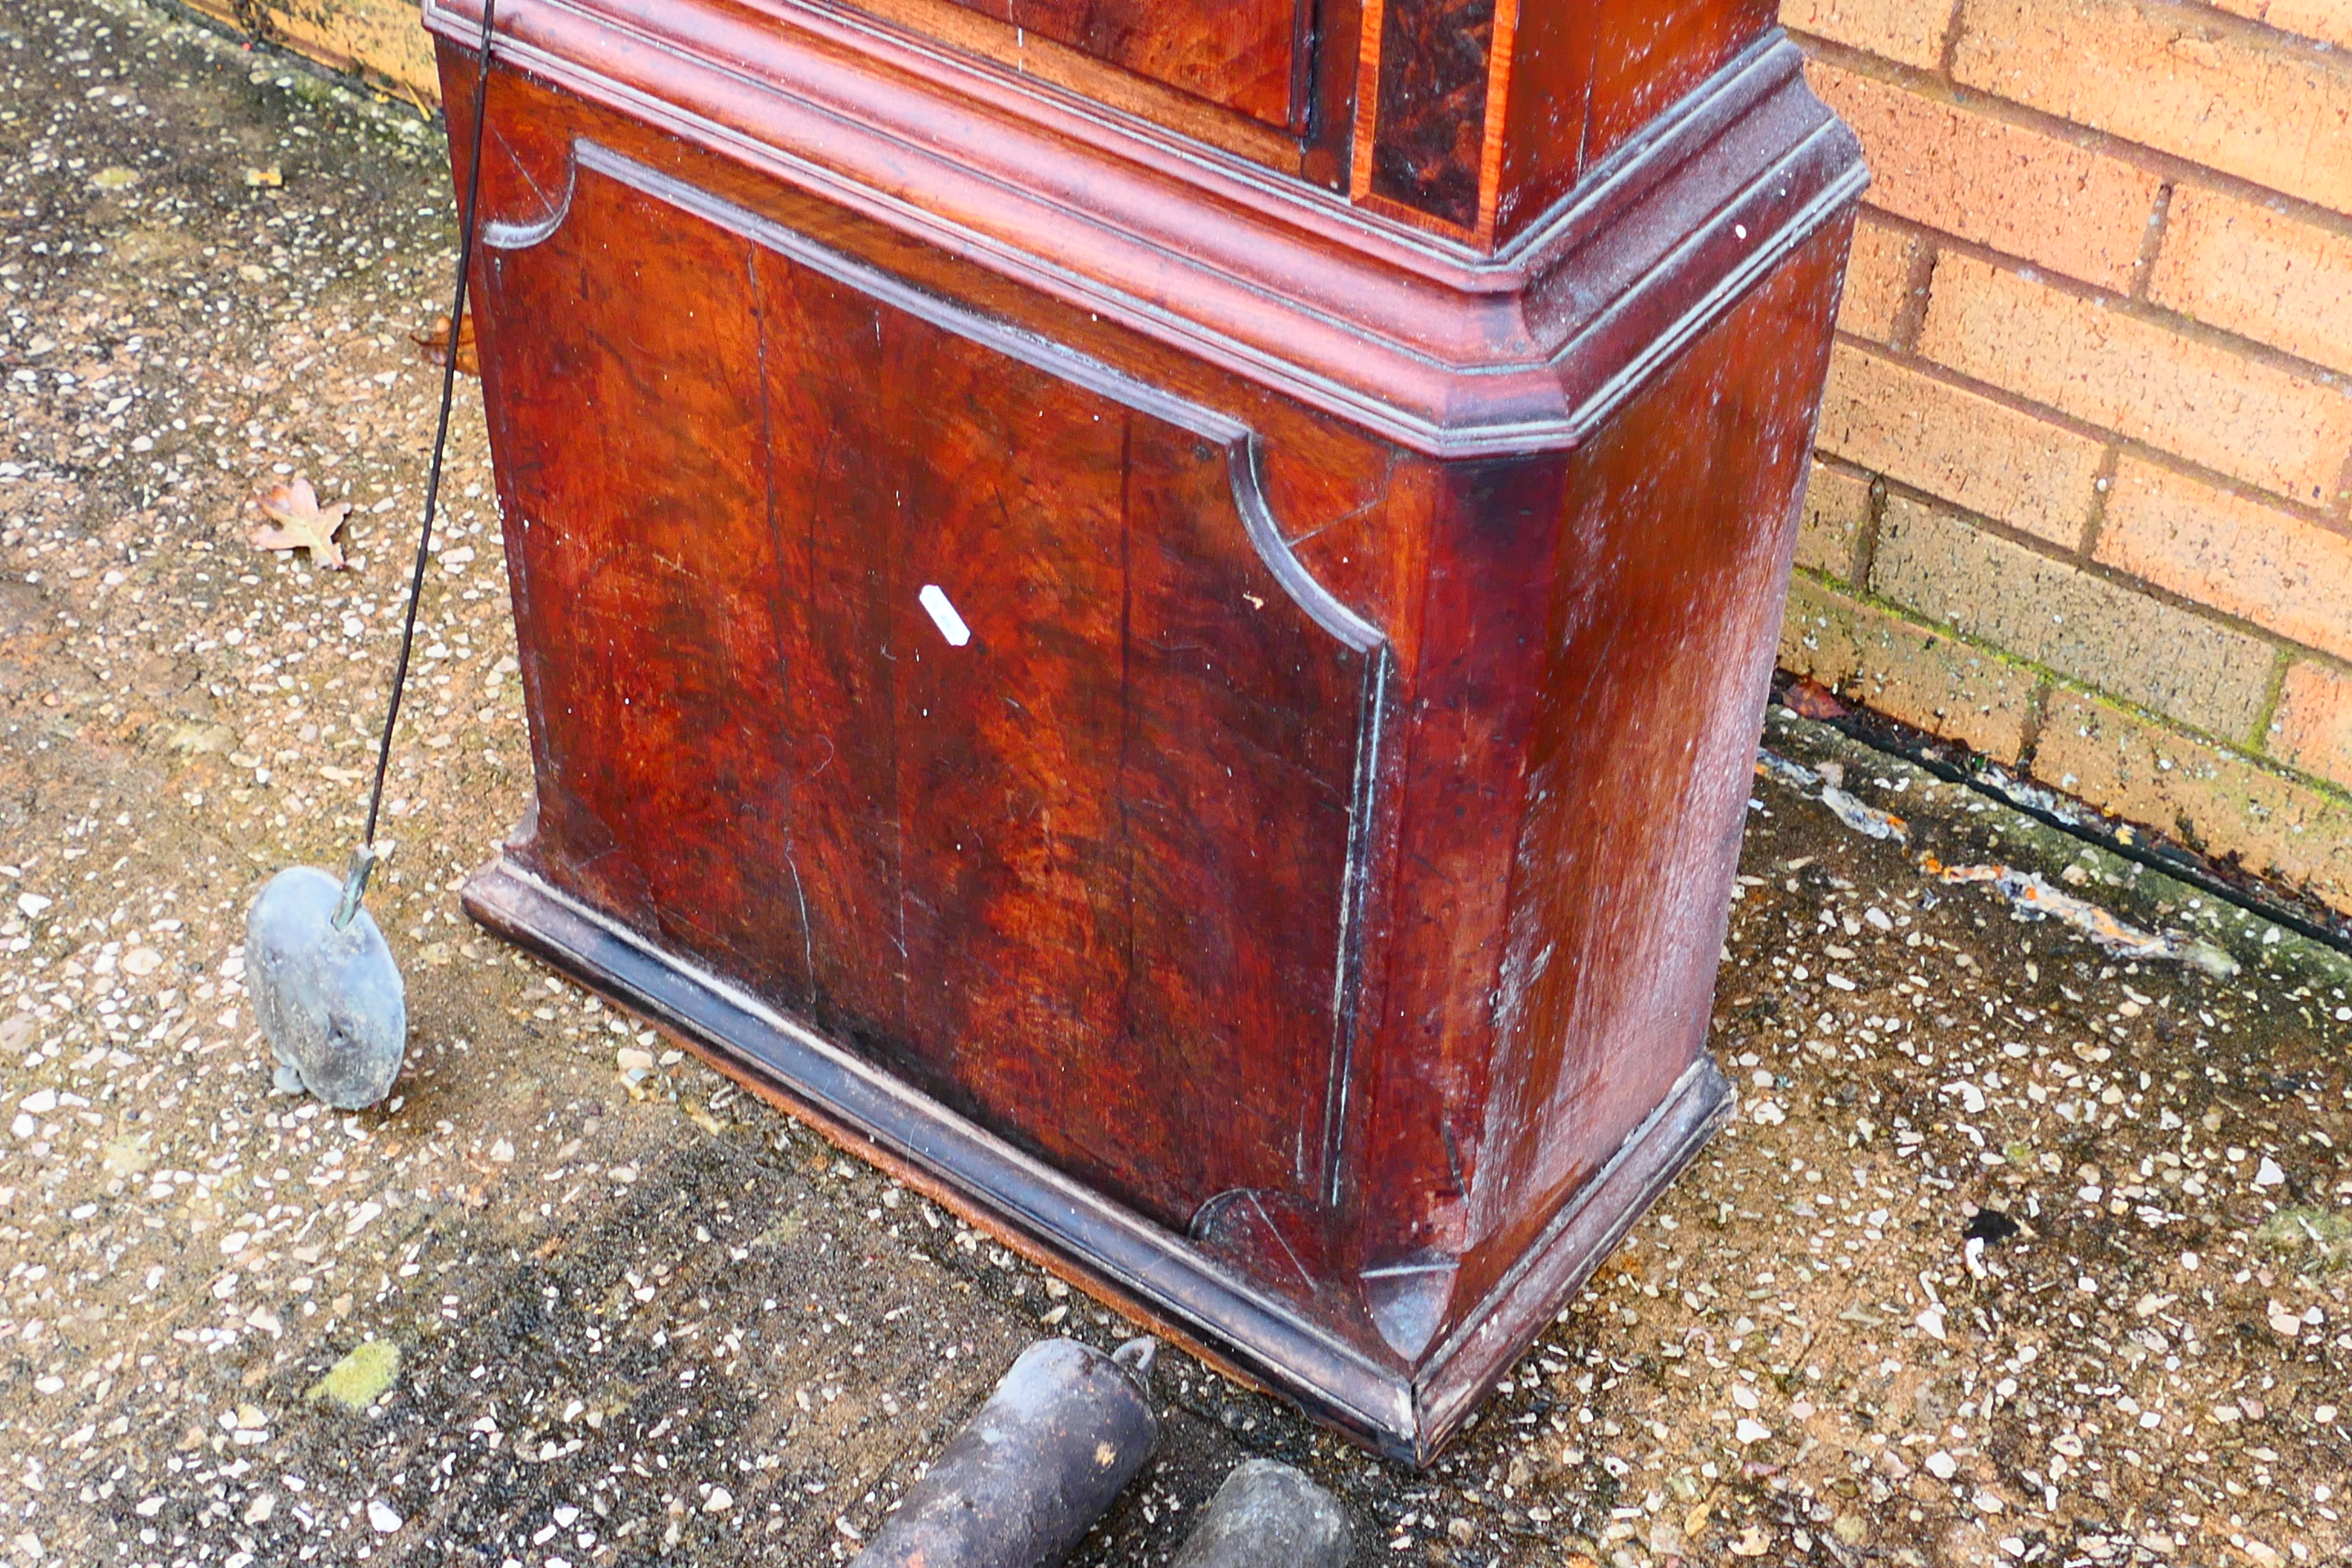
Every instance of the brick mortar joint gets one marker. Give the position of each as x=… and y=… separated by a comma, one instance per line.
x=2094, y=517
x=2125, y=307
x=2099, y=571
x=1865, y=539
x=2272, y=695
x=2169, y=167
x=2247, y=28
x=1955, y=29
x=2151, y=246
x=1920, y=620
x=2270, y=767
x=1918, y=286
x=2331, y=519
x=2335, y=664
x=2050, y=682
x=2029, y=728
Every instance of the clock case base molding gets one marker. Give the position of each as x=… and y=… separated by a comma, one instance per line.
x=1145, y=1272
x=1290, y=909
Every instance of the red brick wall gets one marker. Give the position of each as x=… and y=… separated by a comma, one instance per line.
x=2085, y=458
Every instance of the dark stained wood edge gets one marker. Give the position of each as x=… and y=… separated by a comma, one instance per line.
x=1331, y=52
x=1586, y=1230
x=1501, y=52
x=1302, y=68
x=1123, y=1259
x=1264, y=533
x=1348, y=984
x=750, y=1040
x=1427, y=343
x=1432, y=85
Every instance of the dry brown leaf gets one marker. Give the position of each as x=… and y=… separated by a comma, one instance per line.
x=433, y=347
x=301, y=523
x=1809, y=698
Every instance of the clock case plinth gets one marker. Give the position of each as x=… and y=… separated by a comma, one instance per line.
x=1293, y=912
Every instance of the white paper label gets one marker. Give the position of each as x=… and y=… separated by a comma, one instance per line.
x=943, y=614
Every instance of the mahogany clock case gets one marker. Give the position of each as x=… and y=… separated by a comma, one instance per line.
x=1292, y=907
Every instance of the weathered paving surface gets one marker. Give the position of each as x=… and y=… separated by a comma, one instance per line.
x=667, y=1324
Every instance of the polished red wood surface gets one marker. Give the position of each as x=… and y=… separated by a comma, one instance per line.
x=1430, y=71
x=1283, y=886
x=1139, y=770
x=1250, y=59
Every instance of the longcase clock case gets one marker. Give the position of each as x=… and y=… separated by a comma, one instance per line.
x=1156, y=613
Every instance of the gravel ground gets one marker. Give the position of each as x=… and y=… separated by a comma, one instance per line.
x=2023, y=1249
